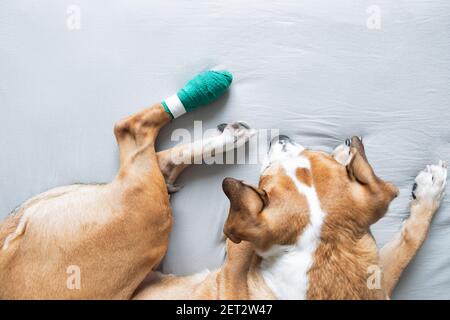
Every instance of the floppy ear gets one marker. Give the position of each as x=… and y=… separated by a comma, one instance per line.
x=244, y=220
x=359, y=168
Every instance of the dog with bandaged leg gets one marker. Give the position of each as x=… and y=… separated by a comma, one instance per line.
x=302, y=233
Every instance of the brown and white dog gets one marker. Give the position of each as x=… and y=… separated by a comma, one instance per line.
x=302, y=233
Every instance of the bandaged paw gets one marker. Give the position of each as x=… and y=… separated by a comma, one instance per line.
x=199, y=91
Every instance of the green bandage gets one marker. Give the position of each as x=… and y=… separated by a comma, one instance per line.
x=201, y=90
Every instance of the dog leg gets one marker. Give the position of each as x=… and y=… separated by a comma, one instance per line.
x=427, y=193
x=140, y=180
x=109, y=236
x=137, y=133
x=172, y=162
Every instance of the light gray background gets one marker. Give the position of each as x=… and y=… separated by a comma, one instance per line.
x=312, y=68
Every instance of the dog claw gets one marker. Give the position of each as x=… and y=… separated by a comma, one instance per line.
x=173, y=188
x=221, y=127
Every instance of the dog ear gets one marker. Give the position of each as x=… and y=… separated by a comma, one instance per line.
x=359, y=168
x=244, y=220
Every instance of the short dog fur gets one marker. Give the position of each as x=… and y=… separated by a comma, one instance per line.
x=302, y=233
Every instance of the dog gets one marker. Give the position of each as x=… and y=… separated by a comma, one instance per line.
x=114, y=234
x=302, y=233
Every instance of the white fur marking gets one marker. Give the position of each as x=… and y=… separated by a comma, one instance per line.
x=285, y=268
x=280, y=153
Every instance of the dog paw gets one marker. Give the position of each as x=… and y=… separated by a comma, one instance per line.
x=173, y=188
x=235, y=134
x=429, y=186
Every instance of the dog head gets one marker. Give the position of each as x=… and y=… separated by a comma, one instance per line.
x=300, y=188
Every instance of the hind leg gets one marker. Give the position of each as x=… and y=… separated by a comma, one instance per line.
x=140, y=182
x=428, y=191
x=110, y=236
x=136, y=134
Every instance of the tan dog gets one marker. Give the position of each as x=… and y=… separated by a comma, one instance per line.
x=304, y=231
x=113, y=234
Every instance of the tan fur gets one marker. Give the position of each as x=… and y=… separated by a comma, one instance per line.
x=115, y=233
x=304, y=176
x=103, y=229
x=118, y=232
x=274, y=213
x=238, y=279
x=396, y=254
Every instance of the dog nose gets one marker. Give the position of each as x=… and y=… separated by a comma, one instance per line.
x=282, y=139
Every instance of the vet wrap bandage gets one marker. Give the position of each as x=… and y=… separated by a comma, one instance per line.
x=201, y=90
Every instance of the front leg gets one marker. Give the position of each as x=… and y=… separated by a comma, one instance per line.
x=427, y=194
x=172, y=162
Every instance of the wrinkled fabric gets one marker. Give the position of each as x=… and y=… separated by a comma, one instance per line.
x=317, y=70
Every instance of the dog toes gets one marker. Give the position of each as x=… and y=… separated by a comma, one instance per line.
x=173, y=188
x=238, y=125
x=430, y=183
x=221, y=127
x=237, y=133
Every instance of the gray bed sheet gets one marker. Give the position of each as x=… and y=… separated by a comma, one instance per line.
x=318, y=70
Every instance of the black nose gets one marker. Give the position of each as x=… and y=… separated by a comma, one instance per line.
x=283, y=139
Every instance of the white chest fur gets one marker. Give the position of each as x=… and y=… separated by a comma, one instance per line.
x=285, y=268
